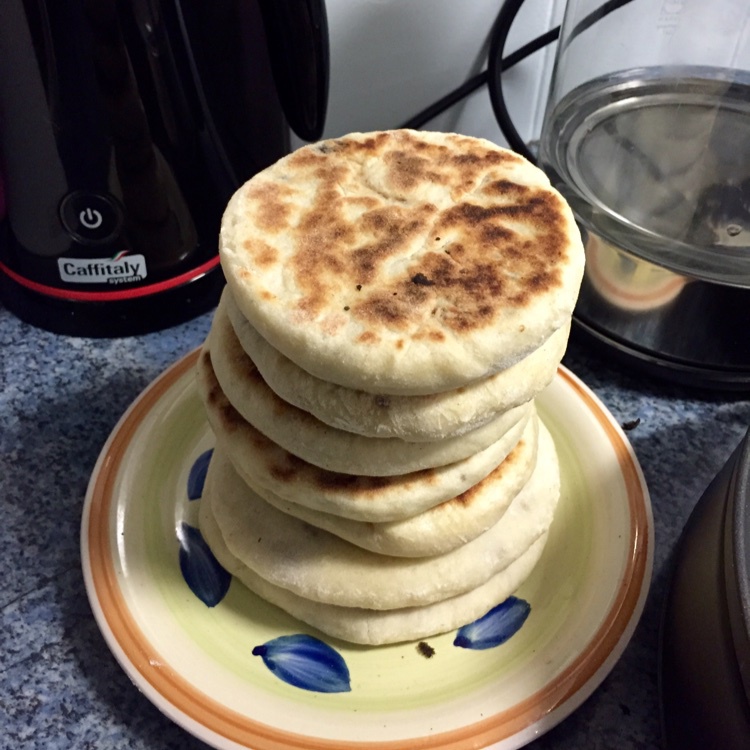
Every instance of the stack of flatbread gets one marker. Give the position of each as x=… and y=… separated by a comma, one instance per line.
x=395, y=301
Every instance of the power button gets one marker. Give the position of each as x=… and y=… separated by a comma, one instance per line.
x=91, y=218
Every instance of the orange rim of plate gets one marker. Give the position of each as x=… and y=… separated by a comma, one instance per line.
x=232, y=726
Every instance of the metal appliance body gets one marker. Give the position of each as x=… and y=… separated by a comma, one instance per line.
x=666, y=292
x=662, y=171
x=704, y=648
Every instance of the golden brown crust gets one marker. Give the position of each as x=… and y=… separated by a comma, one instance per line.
x=467, y=498
x=269, y=468
x=283, y=466
x=507, y=251
x=387, y=240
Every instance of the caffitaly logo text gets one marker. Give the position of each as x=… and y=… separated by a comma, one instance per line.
x=119, y=269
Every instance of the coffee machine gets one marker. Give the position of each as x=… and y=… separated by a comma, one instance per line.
x=125, y=125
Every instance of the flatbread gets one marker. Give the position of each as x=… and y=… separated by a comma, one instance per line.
x=317, y=565
x=402, y=262
x=267, y=467
x=378, y=627
x=434, y=417
x=313, y=441
x=445, y=526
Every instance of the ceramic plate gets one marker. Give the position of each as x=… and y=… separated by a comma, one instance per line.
x=233, y=672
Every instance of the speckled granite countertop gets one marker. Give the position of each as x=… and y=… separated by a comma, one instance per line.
x=59, y=399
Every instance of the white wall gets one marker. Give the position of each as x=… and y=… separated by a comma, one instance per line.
x=391, y=58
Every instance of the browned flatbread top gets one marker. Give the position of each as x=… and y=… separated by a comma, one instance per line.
x=402, y=262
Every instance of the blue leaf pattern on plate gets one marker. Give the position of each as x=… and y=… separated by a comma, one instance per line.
x=494, y=628
x=306, y=662
x=200, y=569
x=197, y=476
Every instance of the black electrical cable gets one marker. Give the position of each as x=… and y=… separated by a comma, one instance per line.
x=596, y=15
x=455, y=96
x=494, y=70
x=477, y=81
x=496, y=64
